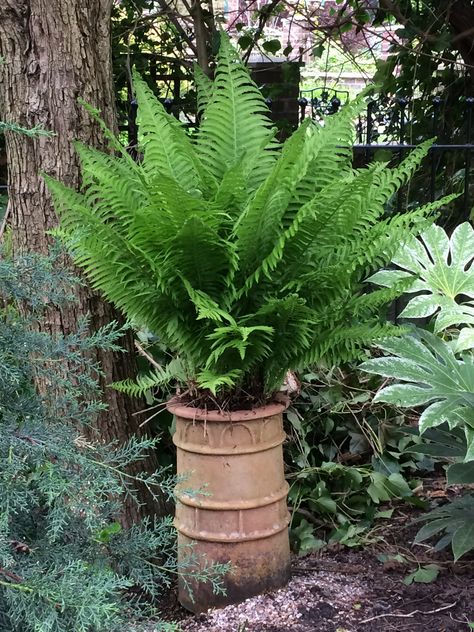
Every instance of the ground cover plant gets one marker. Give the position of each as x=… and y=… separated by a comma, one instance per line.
x=65, y=561
x=435, y=371
x=347, y=458
x=244, y=259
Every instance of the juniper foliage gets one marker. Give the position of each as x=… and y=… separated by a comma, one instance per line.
x=65, y=562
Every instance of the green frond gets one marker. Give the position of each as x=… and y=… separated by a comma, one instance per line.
x=114, y=142
x=199, y=255
x=203, y=88
x=345, y=344
x=167, y=148
x=335, y=210
x=111, y=188
x=260, y=223
x=232, y=194
x=152, y=380
x=213, y=382
x=235, y=122
x=327, y=155
x=238, y=337
x=206, y=307
x=245, y=259
x=391, y=180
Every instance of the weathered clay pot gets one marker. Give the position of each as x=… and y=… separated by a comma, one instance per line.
x=243, y=518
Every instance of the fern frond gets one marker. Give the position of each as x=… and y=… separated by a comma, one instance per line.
x=150, y=381
x=206, y=307
x=112, y=189
x=345, y=344
x=389, y=181
x=328, y=155
x=167, y=148
x=260, y=222
x=114, y=142
x=198, y=254
x=208, y=380
x=203, y=88
x=236, y=121
x=244, y=259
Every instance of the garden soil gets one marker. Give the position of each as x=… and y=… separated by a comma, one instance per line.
x=349, y=590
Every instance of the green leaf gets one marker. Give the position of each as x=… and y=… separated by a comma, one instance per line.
x=107, y=532
x=420, y=307
x=318, y=50
x=432, y=528
x=389, y=278
x=272, y=46
x=465, y=340
x=245, y=41
x=461, y=473
x=442, y=268
x=435, y=375
x=424, y=575
x=387, y=513
x=463, y=540
x=326, y=503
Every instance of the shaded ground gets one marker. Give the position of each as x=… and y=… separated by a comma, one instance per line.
x=353, y=591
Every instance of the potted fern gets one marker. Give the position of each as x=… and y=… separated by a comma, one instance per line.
x=247, y=260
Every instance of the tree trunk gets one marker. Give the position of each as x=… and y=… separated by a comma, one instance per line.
x=55, y=51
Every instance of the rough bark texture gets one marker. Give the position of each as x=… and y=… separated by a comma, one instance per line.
x=56, y=51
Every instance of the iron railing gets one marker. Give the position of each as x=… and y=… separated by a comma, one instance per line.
x=387, y=130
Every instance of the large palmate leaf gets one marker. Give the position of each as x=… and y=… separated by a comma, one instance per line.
x=429, y=374
x=443, y=277
x=456, y=520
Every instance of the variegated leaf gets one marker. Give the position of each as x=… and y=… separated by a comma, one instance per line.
x=442, y=270
x=431, y=375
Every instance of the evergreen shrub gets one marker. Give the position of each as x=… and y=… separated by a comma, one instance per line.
x=66, y=564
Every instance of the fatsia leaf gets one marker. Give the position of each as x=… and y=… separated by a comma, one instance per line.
x=463, y=540
x=456, y=519
x=433, y=375
x=442, y=269
x=465, y=340
x=461, y=473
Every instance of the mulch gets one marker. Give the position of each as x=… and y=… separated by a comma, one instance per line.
x=348, y=590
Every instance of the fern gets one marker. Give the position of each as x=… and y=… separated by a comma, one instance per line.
x=203, y=88
x=244, y=259
x=152, y=380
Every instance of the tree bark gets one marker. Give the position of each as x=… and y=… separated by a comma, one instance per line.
x=55, y=51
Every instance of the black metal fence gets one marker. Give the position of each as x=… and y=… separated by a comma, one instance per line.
x=391, y=127
x=387, y=130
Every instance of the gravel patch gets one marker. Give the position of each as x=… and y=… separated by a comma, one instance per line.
x=307, y=600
